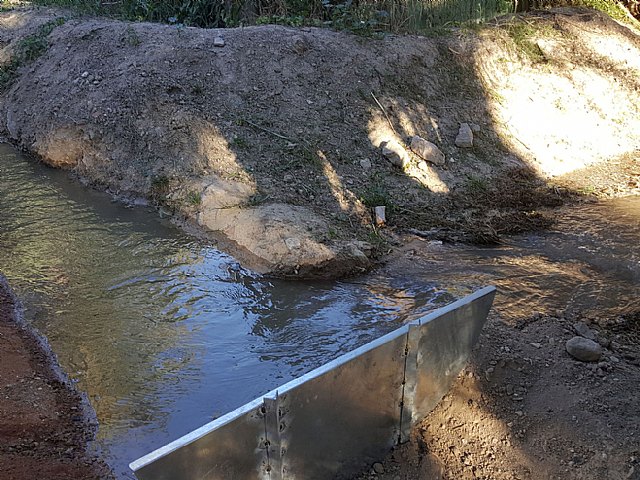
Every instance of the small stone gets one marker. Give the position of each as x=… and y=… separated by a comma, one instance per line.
x=509, y=389
x=365, y=163
x=584, y=331
x=537, y=345
x=395, y=153
x=427, y=150
x=475, y=128
x=218, y=42
x=381, y=218
x=465, y=136
x=378, y=468
x=292, y=243
x=519, y=413
x=85, y=74
x=613, y=359
x=584, y=349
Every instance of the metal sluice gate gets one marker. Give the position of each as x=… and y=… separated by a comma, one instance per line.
x=336, y=420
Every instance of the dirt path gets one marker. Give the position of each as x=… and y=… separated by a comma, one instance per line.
x=44, y=431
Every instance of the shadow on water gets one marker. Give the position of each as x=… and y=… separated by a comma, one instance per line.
x=162, y=331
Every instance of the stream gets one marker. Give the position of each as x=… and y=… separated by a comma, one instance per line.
x=164, y=332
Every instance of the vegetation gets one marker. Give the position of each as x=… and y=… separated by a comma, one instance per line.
x=26, y=51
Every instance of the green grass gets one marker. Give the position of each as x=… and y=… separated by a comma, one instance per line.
x=365, y=17
x=611, y=7
x=26, y=51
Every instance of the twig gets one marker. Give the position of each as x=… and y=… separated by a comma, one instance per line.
x=385, y=113
x=254, y=125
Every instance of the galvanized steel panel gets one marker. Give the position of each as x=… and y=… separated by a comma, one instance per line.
x=231, y=447
x=339, y=418
x=346, y=418
x=445, y=340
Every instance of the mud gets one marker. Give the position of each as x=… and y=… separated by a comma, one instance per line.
x=45, y=425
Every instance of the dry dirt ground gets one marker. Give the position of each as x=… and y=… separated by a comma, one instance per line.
x=44, y=429
x=524, y=409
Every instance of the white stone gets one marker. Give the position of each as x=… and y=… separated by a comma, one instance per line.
x=427, y=150
x=465, y=136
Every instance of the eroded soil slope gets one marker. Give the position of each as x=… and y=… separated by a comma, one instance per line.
x=271, y=136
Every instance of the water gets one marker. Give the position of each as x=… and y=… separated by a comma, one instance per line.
x=162, y=331
x=165, y=333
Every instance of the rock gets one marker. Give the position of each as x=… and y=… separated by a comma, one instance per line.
x=292, y=243
x=378, y=468
x=584, y=331
x=465, y=136
x=218, y=42
x=365, y=163
x=85, y=74
x=395, y=153
x=475, y=128
x=427, y=150
x=381, y=218
x=584, y=349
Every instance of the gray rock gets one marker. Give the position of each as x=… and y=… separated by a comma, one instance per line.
x=475, y=128
x=584, y=331
x=427, y=150
x=365, y=163
x=395, y=153
x=300, y=44
x=378, y=468
x=218, y=42
x=584, y=349
x=465, y=136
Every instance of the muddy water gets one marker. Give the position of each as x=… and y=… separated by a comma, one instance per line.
x=589, y=264
x=165, y=333
x=162, y=331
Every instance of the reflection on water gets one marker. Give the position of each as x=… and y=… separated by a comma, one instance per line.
x=162, y=331
x=165, y=333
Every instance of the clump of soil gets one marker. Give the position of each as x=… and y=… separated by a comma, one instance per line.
x=43, y=422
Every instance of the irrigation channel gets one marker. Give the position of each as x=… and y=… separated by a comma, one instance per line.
x=165, y=333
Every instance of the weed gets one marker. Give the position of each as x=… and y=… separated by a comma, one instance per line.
x=610, y=7
x=375, y=193
x=524, y=36
x=197, y=89
x=27, y=50
x=130, y=37
x=477, y=184
x=194, y=198
x=239, y=142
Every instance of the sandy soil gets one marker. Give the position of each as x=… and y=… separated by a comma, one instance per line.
x=44, y=426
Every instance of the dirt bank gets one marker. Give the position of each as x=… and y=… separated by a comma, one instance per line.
x=524, y=408
x=43, y=424
x=271, y=136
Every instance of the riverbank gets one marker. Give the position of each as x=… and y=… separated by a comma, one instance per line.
x=524, y=408
x=279, y=142
x=43, y=423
